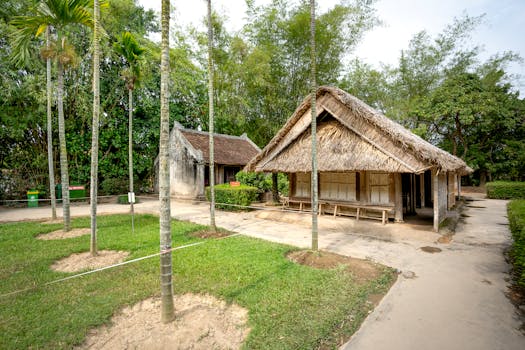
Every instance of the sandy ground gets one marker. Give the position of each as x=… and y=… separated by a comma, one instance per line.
x=61, y=234
x=85, y=261
x=202, y=322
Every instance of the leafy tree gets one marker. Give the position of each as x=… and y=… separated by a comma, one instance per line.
x=57, y=14
x=130, y=50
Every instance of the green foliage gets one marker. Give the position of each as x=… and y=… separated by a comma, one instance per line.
x=113, y=186
x=516, y=212
x=231, y=197
x=299, y=306
x=506, y=190
x=263, y=181
x=260, y=180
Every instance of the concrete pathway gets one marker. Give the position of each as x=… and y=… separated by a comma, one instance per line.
x=455, y=301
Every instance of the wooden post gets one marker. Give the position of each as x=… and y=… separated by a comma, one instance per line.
x=422, y=188
x=398, y=216
x=435, y=182
x=459, y=186
x=411, y=194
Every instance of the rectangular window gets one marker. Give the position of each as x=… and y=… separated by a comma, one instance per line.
x=302, y=185
x=379, y=188
x=338, y=186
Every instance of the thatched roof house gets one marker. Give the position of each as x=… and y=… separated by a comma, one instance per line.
x=371, y=149
x=189, y=154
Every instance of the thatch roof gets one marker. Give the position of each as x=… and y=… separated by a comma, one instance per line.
x=228, y=150
x=351, y=136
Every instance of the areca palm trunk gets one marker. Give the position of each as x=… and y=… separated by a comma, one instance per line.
x=315, y=244
x=166, y=287
x=211, y=121
x=64, y=174
x=94, y=128
x=50, y=163
x=130, y=155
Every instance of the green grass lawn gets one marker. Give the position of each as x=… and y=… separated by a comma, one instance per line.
x=290, y=306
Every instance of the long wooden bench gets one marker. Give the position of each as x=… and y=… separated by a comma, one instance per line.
x=359, y=207
x=300, y=201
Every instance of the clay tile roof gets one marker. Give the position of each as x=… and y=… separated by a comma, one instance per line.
x=229, y=150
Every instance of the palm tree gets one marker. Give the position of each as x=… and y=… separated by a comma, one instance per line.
x=210, y=102
x=50, y=164
x=315, y=244
x=57, y=14
x=94, y=126
x=166, y=287
x=130, y=50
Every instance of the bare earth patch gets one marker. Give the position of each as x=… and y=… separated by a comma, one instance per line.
x=211, y=234
x=61, y=234
x=362, y=270
x=84, y=261
x=445, y=239
x=431, y=250
x=201, y=322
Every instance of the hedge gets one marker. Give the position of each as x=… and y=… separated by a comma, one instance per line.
x=238, y=195
x=506, y=190
x=516, y=213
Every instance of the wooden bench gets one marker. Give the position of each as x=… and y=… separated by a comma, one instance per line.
x=359, y=207
x=300, y=201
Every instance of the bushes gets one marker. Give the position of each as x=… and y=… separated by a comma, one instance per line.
x=237, y=195
x=516, y=213
x=263, y=181
x=113, y=185
x=506, y=190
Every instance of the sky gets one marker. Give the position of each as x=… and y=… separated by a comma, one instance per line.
x=503, y=28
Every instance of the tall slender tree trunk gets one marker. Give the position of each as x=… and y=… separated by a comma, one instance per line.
x=211, y=131
x=94, y=128
x=64, y=175
x=166, y=287
x=50, y=163
x=315, y=244
x=130, y=156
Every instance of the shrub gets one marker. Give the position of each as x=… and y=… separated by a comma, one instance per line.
x=516, y=213
x=263, y=181
x=114, y=185
x=237, y=195
x=260, y=180
x=506, y=190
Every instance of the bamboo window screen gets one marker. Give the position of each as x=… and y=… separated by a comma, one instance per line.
x=338, y=186
x=302, y=185
x=379, y=188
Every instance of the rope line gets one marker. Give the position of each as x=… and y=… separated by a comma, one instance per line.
x=112, y=266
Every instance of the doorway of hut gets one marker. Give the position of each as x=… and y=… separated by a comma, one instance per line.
x=417, y=198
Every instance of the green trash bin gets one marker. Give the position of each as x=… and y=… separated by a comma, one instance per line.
x=32, y=199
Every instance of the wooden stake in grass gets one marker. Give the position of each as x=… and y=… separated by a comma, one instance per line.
x=166, y=287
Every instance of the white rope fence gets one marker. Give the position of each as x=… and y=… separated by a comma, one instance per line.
x=113, y=266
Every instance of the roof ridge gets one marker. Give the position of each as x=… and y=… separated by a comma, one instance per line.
x=214, y=134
